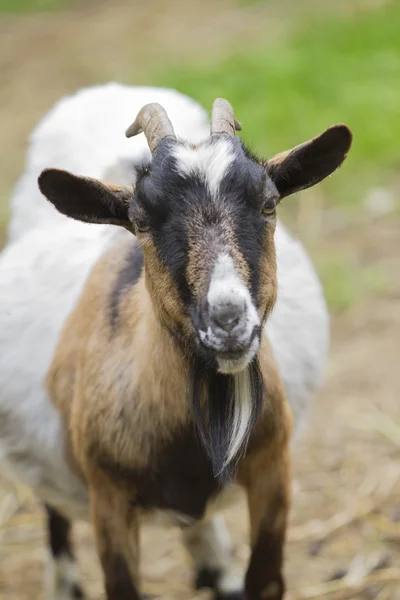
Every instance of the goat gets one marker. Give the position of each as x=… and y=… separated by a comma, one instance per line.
x=54, y=256
x=161, y=374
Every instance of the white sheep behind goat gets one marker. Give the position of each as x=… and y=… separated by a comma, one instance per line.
x=44, y=268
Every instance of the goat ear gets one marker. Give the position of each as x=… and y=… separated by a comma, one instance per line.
x=309, y=163
x=86, y=199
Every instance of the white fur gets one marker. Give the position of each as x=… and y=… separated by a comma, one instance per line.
x=242, y=414
x=232, y=580
x=236, y=365
x=62, y=576
x=298, y=328
x=226, y=287
x=211, y=161
x=208, y=542
x=44, y=267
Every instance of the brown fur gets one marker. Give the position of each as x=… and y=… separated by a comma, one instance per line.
x=165, y=298
x=265, y=474
x=111, y=374
x=122, y=397
x=268, y=288
x=203, y=251
x=116, y=529
x=122, y=383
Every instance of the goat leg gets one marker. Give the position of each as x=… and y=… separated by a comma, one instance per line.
x=116, y=527
x=268, y=489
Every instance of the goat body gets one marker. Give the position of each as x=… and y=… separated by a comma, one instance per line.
x=118, y=415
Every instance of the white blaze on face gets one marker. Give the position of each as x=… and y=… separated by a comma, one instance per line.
x=225, y=288
x=209, y=161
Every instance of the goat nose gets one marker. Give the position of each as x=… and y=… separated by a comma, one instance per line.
x=228, y=315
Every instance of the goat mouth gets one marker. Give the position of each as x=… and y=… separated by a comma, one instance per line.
x=237, y=356
x=232, y=354
x=233, y=362
x=226, y=348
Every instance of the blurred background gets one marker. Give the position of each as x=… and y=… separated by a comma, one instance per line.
x=290, y=68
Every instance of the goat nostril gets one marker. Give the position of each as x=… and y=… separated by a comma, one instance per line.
x=227, y=317
x=227, y=324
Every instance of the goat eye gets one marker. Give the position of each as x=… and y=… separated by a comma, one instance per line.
x=268, y=208
x=142, y=226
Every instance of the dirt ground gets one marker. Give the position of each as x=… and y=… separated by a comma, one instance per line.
x=346, y=506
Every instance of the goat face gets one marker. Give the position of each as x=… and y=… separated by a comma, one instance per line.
x=205, y=218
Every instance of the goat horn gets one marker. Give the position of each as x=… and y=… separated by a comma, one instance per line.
x=222, y=119
x=155, y=124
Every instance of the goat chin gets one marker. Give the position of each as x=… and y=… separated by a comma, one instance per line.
x=234, y=366
x=48, y=258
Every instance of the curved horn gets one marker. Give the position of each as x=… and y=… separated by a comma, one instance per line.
x=223, y=119
x=155, y=124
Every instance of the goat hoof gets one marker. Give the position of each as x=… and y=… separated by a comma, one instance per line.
x=77, y=592
x=67, y=592
x=237, y=595
x=209, y=578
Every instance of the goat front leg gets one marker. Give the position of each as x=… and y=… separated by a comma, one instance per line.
x=116, y=527
x=267, y=481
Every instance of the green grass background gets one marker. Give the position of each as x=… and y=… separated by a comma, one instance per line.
x=333, y=69
x=28, y=6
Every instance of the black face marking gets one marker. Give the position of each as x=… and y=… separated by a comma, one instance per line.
x=214, y=416
x=59, y=533
x=180, y=208
x=126, y=279
x=249, y=187
x=179, y=476
x=119, y=584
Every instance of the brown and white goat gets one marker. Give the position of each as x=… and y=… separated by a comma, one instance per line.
x=163, y=374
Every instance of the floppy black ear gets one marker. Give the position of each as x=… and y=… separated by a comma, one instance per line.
x=86, y=199
x=311, y=162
